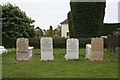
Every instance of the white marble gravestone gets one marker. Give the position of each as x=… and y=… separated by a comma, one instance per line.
x=23, y=51
x=72, y=49
x=88, y=51
x=95, y=51
x=47, y=48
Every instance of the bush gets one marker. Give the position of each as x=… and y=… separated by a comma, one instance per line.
x=57, y=42
x=83, y=42
x=34, y=42
x=109, y=28
x=9, y=43
x=86, y=19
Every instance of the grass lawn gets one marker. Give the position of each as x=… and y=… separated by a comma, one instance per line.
x=59, y=68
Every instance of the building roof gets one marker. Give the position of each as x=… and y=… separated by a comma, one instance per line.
x=64, y=22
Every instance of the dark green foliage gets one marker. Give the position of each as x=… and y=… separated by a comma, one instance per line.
x=71, y=26
x=50, y=32
x=57, y=32
x=83, y=42
x=116, y=31
x=35, y=42
x=109, y=28
x=39, y=32
x=9, y=43
x=57, y=42
x=86, y=19
x=0, y=25
x=15, y=23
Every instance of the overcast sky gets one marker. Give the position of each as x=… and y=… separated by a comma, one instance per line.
x=52, y=12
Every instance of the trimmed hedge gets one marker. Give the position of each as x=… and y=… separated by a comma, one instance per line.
x=9, y=43
x=86, y=19
x=109, y=28
x=57, y=42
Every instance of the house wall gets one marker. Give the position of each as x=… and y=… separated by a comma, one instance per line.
x=64, y=30
x=119, y=12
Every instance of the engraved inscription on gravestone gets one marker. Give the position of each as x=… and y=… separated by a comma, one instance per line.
x=97, y=48
x=22, y=45
x=72, y=45
x=46, y=48
x=72, y=49
x=23, y=51
x=46, y=44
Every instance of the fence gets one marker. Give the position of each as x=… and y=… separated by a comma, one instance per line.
x=113, y=42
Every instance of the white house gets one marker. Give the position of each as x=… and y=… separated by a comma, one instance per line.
x=119, y=12
x=64, y=29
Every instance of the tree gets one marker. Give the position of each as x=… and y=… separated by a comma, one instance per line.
x=50, y=32
x=86, y=19
x=16, y=23
x=57, y=31
x=44, y=32
x=39, y=32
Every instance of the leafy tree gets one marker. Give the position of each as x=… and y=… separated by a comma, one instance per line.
x=57, y=31
x=50, y=32
x=16, y=23
x=44, y=32
x=39, y=32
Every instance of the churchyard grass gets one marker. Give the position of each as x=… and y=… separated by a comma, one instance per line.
x=59, y=68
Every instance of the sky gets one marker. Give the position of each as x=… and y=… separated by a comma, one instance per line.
x=53, y=12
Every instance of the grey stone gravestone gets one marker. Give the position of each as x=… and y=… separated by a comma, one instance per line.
x=95, y=50
x=72, y=49
x=23, y=51
x=46, y=48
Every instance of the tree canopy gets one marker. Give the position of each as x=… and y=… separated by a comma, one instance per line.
x=39, y=32
x=50, y=32
x=15, y=22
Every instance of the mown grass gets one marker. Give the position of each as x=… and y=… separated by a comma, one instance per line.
x=59, y=68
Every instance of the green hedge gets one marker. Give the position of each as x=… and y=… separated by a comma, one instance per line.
x=57, y=42
x=86, y=19
x=34, y=42
x=109, y=28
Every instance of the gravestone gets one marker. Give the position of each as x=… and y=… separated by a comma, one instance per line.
x=46, y=48
x=2, y=49
x=72, y=49
x=88, y=51
x=97, y=49
x=117, y=50
x=24, y=52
